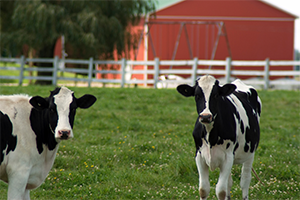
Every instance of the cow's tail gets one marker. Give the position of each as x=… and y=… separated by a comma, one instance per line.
x=254, y=172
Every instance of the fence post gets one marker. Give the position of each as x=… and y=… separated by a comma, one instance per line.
x=267, y=74
x=22, y=64
x=156, y=72
x=194, y=75
x=55, y=68
x=228, y=69
x=123, y=66
x=90, y=75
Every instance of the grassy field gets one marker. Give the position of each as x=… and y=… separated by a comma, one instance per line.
x=137, y=144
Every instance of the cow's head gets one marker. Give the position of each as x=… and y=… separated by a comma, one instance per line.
x=60, y=108
x=207, y=92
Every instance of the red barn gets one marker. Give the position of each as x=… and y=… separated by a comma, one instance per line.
x=216, y=29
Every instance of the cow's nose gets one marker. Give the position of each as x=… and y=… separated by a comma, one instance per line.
x=205, y=118
x=64, y=134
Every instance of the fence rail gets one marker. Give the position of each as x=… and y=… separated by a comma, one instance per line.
x=231, y=68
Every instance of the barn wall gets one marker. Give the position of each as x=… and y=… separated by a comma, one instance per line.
x=249, y=40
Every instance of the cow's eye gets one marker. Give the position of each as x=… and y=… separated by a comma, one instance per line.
x=197, y=97
x=52, y=110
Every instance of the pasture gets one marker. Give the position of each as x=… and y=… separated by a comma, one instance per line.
x=137, y=144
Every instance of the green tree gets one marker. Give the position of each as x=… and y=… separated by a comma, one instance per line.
x=6, y=11
x=91, y=28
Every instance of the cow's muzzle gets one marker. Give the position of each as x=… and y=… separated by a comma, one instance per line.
x=205, y=118
x=64, y=134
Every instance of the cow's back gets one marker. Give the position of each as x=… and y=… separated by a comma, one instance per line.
x=250, y=95
x=248, y=106
x=18, y=109
x=11, y=104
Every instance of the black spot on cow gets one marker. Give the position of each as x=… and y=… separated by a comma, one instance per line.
x=198, y=133
x=236, y=146
x=7, y=140
x=246, y=148
x=39, y=121
x=228, y=145
x=253, y=101
x=242, y=127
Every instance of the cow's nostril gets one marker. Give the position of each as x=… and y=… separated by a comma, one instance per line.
x=64, y=134
x=206, y=118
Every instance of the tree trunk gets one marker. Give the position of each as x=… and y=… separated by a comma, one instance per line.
x=45, y=52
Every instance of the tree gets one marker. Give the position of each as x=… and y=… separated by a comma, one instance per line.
x=92, y=28
x=6, y=11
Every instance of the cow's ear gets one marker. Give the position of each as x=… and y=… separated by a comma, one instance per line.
x=39, y=103
x=186, y=90
x=227, y=89
x=86, y=101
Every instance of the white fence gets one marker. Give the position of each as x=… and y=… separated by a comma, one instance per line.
x=230, y=70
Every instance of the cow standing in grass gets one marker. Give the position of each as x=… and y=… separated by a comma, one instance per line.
x=30, y=130
x=226, y=131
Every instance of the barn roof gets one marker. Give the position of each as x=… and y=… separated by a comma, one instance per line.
x=164, y=6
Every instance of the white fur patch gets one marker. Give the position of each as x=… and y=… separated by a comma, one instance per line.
x=206, y=83
x=63, y=100
x=240, y=86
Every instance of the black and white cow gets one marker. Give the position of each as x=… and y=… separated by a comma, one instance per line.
x=226, y=131
x=31, y=129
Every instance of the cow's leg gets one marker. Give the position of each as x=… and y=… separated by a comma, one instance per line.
x=246, y=177
x=17, y=185
x=203, y=171
x=225, y=172
x=229, y=186
x=27, y=195
x=15, y=190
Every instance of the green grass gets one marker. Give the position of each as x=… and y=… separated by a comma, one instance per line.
x=137, y=144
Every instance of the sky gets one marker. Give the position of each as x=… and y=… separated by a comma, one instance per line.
x=293, y=7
